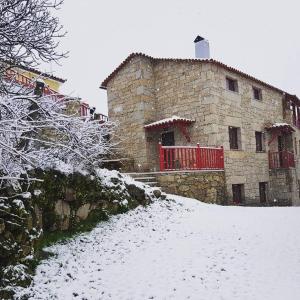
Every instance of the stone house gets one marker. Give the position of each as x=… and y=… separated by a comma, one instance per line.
x=184, y=102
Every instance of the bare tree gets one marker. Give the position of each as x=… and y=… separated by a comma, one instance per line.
x=29, y=34
x=38, y=131
x=53, y=138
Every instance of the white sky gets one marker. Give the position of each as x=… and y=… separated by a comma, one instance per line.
x=259, y=37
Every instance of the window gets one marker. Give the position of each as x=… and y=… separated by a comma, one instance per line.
x=263, y=189
x=238, y=194
x=296, y=149
x=234, y=138
x=257, y=94
x=232, y=85
x=259, y=140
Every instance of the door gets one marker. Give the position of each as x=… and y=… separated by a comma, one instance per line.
x=237, y=193
x=167, y=139
x=263, y=192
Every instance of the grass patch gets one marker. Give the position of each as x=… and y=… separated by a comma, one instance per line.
x=50, y=238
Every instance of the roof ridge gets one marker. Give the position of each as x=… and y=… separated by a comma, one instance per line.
x=104, y=83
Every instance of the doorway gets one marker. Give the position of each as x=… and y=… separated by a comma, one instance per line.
x=167, y=138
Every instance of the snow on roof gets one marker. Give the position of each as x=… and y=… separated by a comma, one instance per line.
x=173, y=119
x=280, y=124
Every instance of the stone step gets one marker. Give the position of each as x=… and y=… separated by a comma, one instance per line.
x=153, y=183
x=145, y=179
x=135, y=175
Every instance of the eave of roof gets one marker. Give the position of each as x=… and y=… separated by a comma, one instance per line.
x=32, y=70
x=46, y=75
x=169, y=121
x=193, y=60
x=281, y=127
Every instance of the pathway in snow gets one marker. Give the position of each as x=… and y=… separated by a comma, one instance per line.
x=180, y=249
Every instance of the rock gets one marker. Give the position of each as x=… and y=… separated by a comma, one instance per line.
x=39, y=216
x=83, y=211
x=63, y=211
x=115, y=180
x=157, y=193
x=70, y=195
x=183, y=188
x=136, y=193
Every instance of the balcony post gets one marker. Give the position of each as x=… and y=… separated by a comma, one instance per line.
x=222, y=163
x=161, y=157
x=198, y=163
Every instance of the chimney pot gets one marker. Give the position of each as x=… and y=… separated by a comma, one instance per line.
x=201, y=48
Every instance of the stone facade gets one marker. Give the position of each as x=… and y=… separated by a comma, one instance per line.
x=207, y=186
x=145, y=89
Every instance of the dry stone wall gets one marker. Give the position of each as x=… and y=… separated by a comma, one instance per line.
x=61, y=202
x=206, y=186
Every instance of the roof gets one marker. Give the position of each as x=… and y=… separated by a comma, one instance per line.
x=281, y=127
x=169, y=121
x=47, y=75
x=189, y=60
x=32, y=70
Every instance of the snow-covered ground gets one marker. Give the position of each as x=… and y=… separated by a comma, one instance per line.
x=181, y=249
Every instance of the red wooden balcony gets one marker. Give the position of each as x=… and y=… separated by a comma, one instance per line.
x=283, y=159
x=173, y=158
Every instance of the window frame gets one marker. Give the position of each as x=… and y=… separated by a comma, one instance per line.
x=262, y=142
x=234, y=82
x=234, y=143
x=259, y=90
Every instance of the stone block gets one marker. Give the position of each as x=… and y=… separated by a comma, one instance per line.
x=83, y=211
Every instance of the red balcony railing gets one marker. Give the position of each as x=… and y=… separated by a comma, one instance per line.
x=281, y=159
x=173, y=158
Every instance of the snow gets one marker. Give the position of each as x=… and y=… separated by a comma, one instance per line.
x=19, y=203
x=280, y=124
x=26, y=195
x=168, y=120
x=37, y=192
x=106, y=177
x=179, y=249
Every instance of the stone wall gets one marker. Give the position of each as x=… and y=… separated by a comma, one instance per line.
x=132, y=104
x=59, y=203
x=283, y=188
x=206, y=186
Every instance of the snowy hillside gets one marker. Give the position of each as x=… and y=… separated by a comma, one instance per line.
x=181, y=249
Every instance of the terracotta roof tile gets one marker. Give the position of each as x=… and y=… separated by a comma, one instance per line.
x=211, y=61
x=169, y=121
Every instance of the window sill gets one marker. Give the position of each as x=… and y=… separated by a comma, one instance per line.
x=263, y=151
x=234, y=92
x=236, y=150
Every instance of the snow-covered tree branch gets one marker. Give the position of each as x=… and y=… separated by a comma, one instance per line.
x=29, y=33
x=41, y=132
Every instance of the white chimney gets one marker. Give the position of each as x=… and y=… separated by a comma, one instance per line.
x=201, y=48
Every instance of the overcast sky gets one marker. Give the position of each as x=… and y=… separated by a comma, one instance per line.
x=259, y=37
